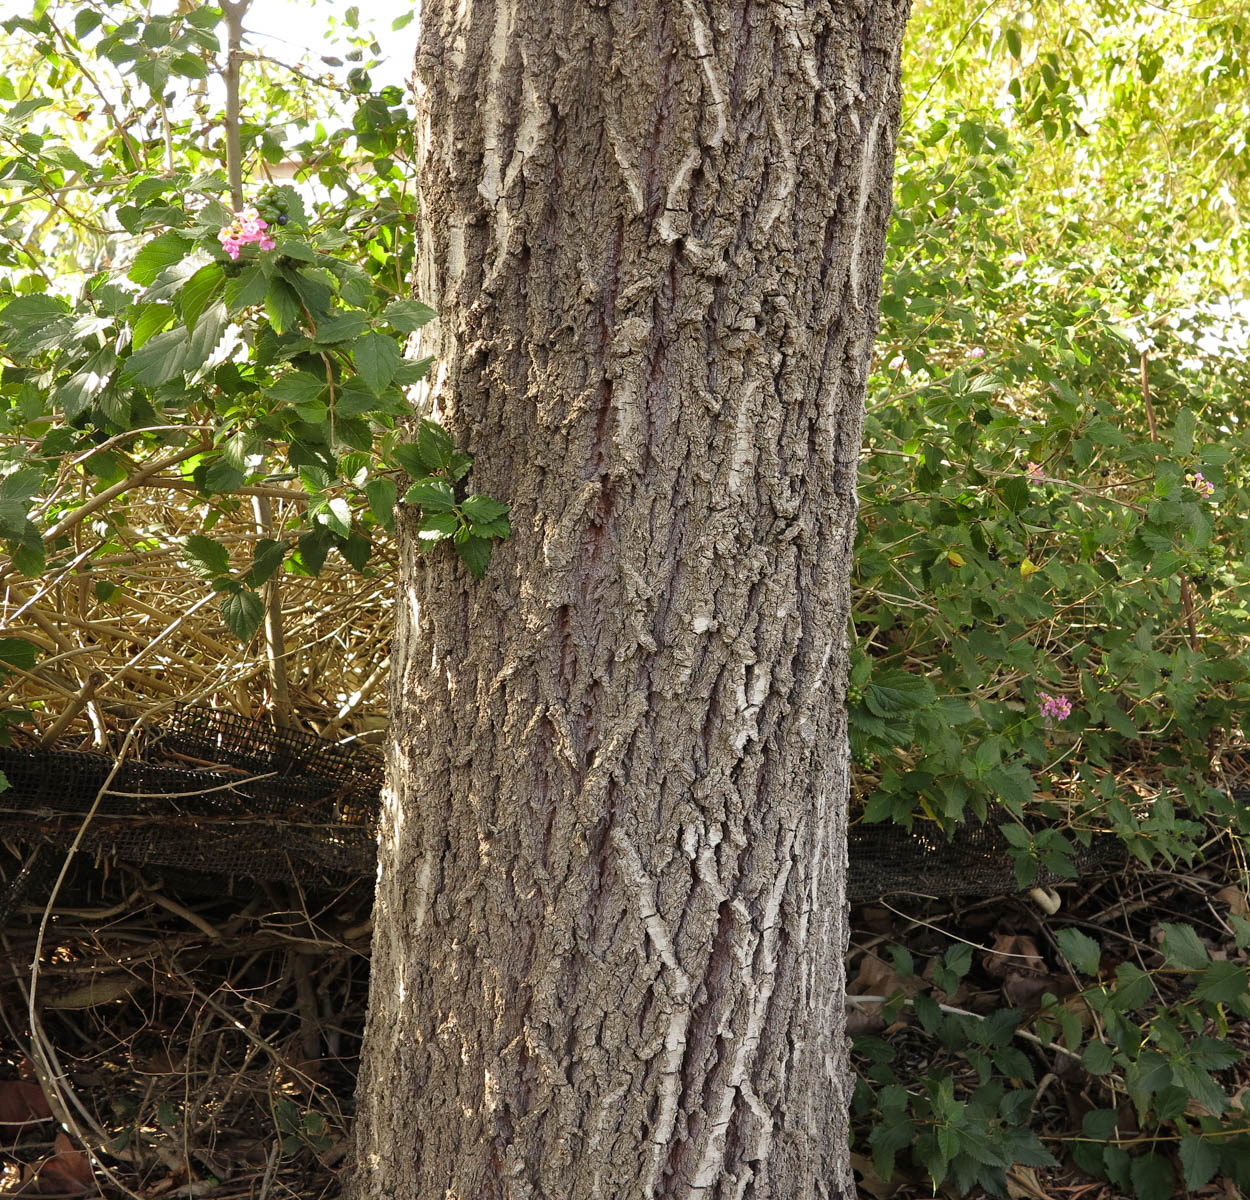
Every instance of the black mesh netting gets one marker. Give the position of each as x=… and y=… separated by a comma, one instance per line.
x=220, y=796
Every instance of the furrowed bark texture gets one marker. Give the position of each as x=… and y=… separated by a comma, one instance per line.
x=610, y=915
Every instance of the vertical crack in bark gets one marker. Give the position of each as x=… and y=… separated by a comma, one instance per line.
x=610, y=917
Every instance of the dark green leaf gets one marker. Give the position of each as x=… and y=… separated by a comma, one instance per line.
x=158, y=360
x=434, y=445
x=200, y=291
x=246, y=290
x=1181, y=948
x=1199, y=1161
x=208, y=557
x=376, y=357
x=1080, y=950
x=475, y=552
x=433, y=495
x=242, y=612
x=282, y=306
x=162, y=252
x=18, y=652
x=266, y=559
x=381, y=494
x=407, y=315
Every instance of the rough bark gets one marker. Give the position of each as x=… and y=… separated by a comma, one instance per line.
x=610, y=915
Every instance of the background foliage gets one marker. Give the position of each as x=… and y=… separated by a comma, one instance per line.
x=1052, y=504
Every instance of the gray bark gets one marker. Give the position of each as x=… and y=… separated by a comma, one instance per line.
x=610, y=914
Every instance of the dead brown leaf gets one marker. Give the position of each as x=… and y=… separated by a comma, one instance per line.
x=67, y=1173
x=21, y=1104
x=1236, y=900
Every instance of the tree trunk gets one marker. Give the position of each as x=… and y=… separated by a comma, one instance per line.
x=610, y=914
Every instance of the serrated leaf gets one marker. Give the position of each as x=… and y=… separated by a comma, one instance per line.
x=282, y=306
x=246, y=290
x=297, y=249
x=342, y=327
x=434, y=445
x=433, y=495
x=1183, y=432
x=208, y=557
x=158, y=360
x=18, y=652
x=475, y=552
x=337, y=516
x=382, y=494
x=356, y=549
x=412, y=371
x=162, y=252
x=151, y=319
x=1098, y=1058
x=376, y=357
x=1181, y=948
x=894, y=691
x=408, y=315
x=1199, y=1161
x=266, y=559
x=200, y=291
x=242, y=612
x=1080, y=950
x=500, y=528
x=296, y=387
x=483, y=509
x=434, y=527
x=73, y=394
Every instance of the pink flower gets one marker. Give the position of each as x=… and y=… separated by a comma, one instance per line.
x=977, y=352
x=246, y=229
x=1053, y=708
x=1034, y=472
x=897, y=363
x=1015, y=260
x=1203, y=486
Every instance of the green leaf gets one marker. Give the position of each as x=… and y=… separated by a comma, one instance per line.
x=246, y=290
x=208, y=557
x=1098, y=1058
x=483, y=508
x=435, y=448
x=74, y=394
x=338, y=516
x=381, y=494
x=158, y=360
x=377, y=357
x=18, y=652
x=893, y=691
x=1152, y=1178
x=435, y=527
x=296, y=387
x=1181, y=948
x=412, y=371
x=162, y=252
x=342, y=327
x=200, y=291
x=408, y=315
x=1080, y=950
x=282, y=306
x=1223, y=983
x=242, y=612
x=296, y=249
x=475, y=552
x=1199, y=1161
x=151, y=319
x=433, y=495
x=266, y=559
x=1183, y=432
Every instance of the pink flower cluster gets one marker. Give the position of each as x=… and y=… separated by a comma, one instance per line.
x=1201, y=484
x=977, y=352
x=247, y=227
x=1034, y=472
x=1054, y=708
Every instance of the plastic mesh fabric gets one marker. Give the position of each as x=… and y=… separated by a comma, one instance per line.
x=222, y=796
